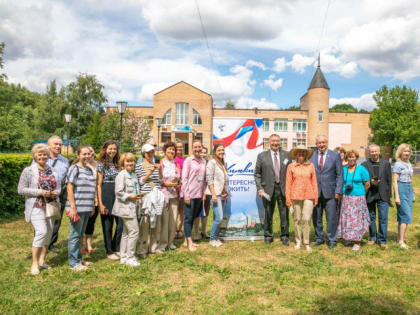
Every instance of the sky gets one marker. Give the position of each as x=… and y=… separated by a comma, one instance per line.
x=257, y=54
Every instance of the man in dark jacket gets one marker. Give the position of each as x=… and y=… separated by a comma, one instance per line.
x=378, y=196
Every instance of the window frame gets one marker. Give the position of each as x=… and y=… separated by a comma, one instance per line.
x=182, y=113
x=196, y=115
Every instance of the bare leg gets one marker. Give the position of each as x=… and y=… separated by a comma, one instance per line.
x=89, y=243
x=204, y=226
x=43, y=253
x=402, y=228
x=36, y=251
x=191, y=246
x=196, y=224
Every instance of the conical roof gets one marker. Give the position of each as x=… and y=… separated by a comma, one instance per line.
x=318, y=81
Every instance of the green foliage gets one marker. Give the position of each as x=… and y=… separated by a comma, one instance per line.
x=397, y=117
x=293, y=107
x=11, y=166
x=230, y=105
x=2, y=75
x=343, y=108
x=94, y=135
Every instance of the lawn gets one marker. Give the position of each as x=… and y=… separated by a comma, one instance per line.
x=237, y=278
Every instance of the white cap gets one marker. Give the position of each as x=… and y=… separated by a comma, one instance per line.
x=147, y=148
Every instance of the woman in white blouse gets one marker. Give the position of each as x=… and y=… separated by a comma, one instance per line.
x=217, y=187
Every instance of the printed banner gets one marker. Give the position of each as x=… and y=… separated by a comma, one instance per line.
x=243, y=141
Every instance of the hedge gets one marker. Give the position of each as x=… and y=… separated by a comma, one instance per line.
x=11, y=166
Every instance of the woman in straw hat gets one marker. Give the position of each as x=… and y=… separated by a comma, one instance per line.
x=301, y=192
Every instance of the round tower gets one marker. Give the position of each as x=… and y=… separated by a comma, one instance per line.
x=317, y=101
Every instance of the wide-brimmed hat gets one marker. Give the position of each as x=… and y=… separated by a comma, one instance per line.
x=147, y=148
x=301, y=147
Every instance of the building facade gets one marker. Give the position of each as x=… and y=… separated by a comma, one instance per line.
x=187, y=113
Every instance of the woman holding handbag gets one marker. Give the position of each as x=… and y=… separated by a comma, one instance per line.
x=80, y=205
x=40, y=186
x=127, y=192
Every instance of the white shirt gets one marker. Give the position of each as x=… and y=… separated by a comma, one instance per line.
x=325, y=155
x=278, y=157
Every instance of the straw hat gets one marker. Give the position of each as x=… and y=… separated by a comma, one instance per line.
x=301, y=147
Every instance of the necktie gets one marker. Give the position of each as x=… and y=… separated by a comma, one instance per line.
x=276, y=168
x=321, y=162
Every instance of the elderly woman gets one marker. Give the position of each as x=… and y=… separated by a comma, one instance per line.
x=301, y=192
x=218, y=189
x=40, y=185
x=354, y=217
x=403, y=191
x=149, y=175
x=108, y=169
x=171, y=181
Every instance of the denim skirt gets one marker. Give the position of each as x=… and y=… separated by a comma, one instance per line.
x=405, y=209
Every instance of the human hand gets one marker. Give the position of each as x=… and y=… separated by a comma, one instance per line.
x=46, y=193
x=103, y=210
x=72, y=213
x=337, y=196
x=53, y=194
x=214, y=199
x=398, y=201
x=187, y=201
x=261, y=192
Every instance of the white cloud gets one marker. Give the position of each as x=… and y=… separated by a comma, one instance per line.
x=365, y=101
x=300, y=62
x=274, y=84
x=247, y=103
x=257, y=64
x=279, y=64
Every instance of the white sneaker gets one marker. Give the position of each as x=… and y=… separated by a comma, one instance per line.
x=356, y=247
x=308, y=248
x=172, y=247
x=214, y=243
x=132, y=262
x=297, y=246
x=219, y=242
x=404, y=246
x=123, y=261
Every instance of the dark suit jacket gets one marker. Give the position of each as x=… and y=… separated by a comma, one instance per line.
x=330, y=180
x=264, y=171
x=385, y=177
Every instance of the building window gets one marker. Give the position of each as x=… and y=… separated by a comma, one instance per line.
x=165, y=137
x=182, y=113
x=299, y=125
x=283, y=144
x=266, y=124
x=280, y=124
x=300, y=139
x=196, y=118
x=167, y=118
x=321, y=116
x=266, y=143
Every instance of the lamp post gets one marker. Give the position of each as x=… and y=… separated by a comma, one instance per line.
x=67, y=117
x=158, y=124
x=122, y=105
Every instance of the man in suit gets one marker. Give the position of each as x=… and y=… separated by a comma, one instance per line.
x=270, y=178
x=378, y=196
x=329, y=174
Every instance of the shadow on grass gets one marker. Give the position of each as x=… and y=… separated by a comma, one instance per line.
x=362, y=304
x=10, y=217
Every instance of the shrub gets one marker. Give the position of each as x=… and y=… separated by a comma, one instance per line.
x=11, y=166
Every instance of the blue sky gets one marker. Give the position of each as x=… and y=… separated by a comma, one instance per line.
x=264, y=52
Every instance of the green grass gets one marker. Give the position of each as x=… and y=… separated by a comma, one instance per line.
x=237, y=278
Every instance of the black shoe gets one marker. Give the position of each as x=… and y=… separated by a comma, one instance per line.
x=268, y=240
x=29, y=256
x=332, y=245
x=285, y=241
x=318, y=242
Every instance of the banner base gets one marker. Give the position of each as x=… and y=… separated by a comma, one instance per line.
x=242, y=238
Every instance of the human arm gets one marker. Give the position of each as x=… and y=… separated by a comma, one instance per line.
x=24, y=186
x=210, y=170
x=72, y=202
x=395, y=177
x=314, y=184
x=289, y=180
x=258, y=175
x=339, y=180
x=100, y=178
x=185, y=177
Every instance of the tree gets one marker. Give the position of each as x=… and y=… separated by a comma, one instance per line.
x=84, y=98
x=2, y=75
x=94, y=135
x=293, y=107
x=343, y=108
x=230, y=105
x=397, y=117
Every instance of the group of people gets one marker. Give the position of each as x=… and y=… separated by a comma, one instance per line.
x=307, y=183
x=149, y=200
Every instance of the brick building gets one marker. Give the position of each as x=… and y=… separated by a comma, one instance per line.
x=187, y=112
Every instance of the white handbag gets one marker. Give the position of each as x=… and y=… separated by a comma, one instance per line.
x=52, y=210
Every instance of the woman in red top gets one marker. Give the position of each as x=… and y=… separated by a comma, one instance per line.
x=301, y=192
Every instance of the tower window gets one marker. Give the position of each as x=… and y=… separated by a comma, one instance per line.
x=320, y=115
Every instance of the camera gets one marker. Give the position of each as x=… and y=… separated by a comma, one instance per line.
x=349, y=187
x=375, y=178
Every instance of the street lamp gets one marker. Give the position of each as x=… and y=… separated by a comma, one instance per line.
x=122, y=105
x=158, y=124
x=67, y=117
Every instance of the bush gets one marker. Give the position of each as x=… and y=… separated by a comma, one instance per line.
x=11, y=166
